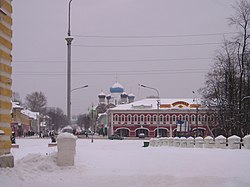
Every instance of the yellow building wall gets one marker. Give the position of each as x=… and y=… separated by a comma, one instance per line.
x=5, y=74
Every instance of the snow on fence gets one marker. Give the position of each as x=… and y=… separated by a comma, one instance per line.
x=221, y=142
x=209, y=142
x=199, y=141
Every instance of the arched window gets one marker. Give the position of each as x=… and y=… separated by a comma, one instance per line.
x=122, y=118
x=167, y=118
x=187, y=117
x=199, y=118
x=155, y=118
x=129, y=119
x=141, y=119
x=135, y=119
x=148, y=119
x=193, y=118
x=116, y=118
x=161, y=119
x=174, y=119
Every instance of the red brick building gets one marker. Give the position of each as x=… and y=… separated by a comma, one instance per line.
x=172, y=117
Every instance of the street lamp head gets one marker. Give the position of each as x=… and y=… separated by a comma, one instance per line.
x=85, y=86
x=142, y=85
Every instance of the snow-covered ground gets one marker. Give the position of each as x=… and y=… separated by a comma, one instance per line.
x=113, y=163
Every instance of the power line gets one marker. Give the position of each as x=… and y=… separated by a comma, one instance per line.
x=128, y=72
x=118, y=60
x=153, y=36
x=149, y=45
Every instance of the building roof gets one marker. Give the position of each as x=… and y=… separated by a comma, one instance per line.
x=131, y=95
x=102, y=94
x=30, y=114
x=151, y=104
x=26, y=112
x=16, y=105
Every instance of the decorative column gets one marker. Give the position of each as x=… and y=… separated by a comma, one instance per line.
x=6, y=159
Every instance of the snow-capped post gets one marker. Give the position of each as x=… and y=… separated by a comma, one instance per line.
x=199, y=142
x=190, y=142
x=208, y=142
x=176, y=141
x=170, y=141
x=183, y=142
x=165, y=141
x=234, y=142
x=246, y=141
x=221, y=142
x=66, y=146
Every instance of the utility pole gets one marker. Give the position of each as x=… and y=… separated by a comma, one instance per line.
x=69, y=40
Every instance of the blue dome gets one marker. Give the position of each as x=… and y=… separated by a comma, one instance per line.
x=117, y=88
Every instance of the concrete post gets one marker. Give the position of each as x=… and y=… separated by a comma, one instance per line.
x=209, y=142
x=234, y=142
x=199, y=142
x=66, y=145
x=246, y=141
x=220, y=142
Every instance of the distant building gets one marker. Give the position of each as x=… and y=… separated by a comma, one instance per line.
x=24, y=122
x=5, y=81
x=177, y=117
x=117, y=96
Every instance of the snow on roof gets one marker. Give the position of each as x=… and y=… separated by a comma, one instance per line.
x=117, y=85
x=16, y=105
x=131, y=95
x=124, y=93
x=26, y=112
x=151, y=103
x=102, y=94
x=30, y=114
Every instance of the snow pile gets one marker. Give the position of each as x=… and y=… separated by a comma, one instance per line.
x=30, y=166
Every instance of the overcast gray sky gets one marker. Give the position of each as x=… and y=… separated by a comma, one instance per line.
x=165, y=44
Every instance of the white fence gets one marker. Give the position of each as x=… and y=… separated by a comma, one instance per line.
x=221, y=142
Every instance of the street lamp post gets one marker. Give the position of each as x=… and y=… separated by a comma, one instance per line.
x=158, y=107
x=197, y=113
x=69, y=40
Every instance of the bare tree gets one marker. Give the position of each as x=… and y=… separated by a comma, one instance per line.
x=84, y=121
x=228, y=80
x=16, y=97
x=57, y=118
x=241, y=20
x=36, y=102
